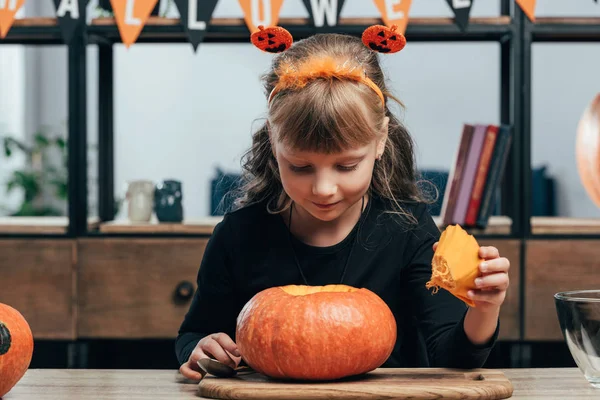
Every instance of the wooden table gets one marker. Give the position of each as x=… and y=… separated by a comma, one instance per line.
x=67, y=384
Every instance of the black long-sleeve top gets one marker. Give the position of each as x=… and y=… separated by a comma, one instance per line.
x=251, y=250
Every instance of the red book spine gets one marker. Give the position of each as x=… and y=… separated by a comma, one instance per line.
x=481, y=175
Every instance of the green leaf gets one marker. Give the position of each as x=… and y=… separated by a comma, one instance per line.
x=11, y=185
x=61, y=143
x=11, y=143
x=7, y=149
x=41, y=140
x=28, y=182
x=61, y=187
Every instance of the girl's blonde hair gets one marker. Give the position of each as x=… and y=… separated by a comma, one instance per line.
x=330, y=115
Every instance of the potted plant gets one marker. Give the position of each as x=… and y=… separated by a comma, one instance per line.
x=43, y=180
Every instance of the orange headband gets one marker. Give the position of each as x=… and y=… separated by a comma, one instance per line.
x=297, y=76
x=276, y=39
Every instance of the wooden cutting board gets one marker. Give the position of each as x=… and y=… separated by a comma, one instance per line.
x=392, y=383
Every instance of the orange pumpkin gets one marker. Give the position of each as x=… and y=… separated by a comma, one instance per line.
x=274, y=39
x=383, y=39
x=16, y=347
x=315, y=332
x=587, y=150
x=455, y=263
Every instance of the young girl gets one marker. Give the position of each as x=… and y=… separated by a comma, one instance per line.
x=331, y=197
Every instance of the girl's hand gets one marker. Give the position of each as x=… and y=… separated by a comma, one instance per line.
x=218, y=346
x=493, y=280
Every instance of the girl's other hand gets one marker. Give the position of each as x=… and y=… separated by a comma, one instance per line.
x=218, y=346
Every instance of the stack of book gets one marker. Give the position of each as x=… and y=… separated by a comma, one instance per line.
x=476, y=174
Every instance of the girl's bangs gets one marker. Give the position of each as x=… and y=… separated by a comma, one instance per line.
x=325, y=117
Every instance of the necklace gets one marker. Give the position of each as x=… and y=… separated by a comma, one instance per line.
x=360, y=220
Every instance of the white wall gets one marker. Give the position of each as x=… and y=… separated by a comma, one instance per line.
x=12, y=116
x=181, y=115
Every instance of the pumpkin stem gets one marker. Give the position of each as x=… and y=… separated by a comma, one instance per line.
x=261, y=27
x=4, y=339
x=394, y=27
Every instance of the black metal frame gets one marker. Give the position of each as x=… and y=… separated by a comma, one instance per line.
x=77, y=145
x=515, y=39
x=105, y=133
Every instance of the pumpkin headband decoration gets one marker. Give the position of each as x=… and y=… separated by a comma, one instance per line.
x=276, y=39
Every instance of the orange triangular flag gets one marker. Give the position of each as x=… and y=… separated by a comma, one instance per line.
x=8, y=10
x=528, y=7
x=131, y=16
x=394, y=12
x=260, y=12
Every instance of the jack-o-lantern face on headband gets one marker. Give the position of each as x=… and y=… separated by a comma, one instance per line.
x=272, y=40
x=379, y=38
x=383, y=39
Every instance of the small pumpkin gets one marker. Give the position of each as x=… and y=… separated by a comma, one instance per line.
x=315, y=333
x=455, y=263
x=382, y=39
x=274, y=39
x=16, y=347
x=587, y=149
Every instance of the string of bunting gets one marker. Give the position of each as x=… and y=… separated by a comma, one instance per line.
x=132, y=15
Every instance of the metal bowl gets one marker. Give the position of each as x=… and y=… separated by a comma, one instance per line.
x=579, y=317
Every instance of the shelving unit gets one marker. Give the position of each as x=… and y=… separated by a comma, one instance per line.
x=556, y=30
x=81, y=249
x=104, y=32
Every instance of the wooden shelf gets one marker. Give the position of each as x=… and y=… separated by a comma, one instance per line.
x=34, y=31
x=110, y=21
x=202, y=226
x=567, y=20
x=35, y=21
x=34, y=225
x=570, y=29
x=153, y=20
x=39, y=225
x=498, y=225
x=563, y=225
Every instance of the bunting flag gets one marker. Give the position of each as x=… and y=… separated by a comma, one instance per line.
x=462, y=10
x=68, y=13
x=528, y=7
x=260, y=12
x=105, y=5
x=195, y=17
x=394, y=12
x=324, y=11
x=8, y=10
x=131, y=16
